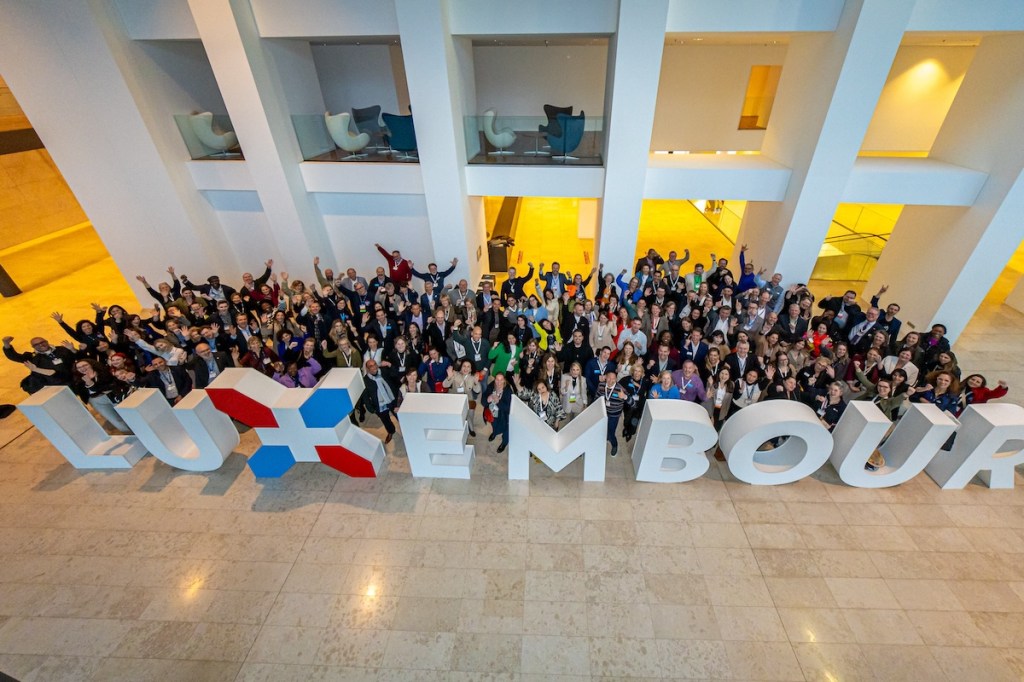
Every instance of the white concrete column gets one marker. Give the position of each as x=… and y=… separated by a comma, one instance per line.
x=255, y=98
x=941, y=262
x=634, y=58
x=62, y=62
x=436, y=91
x=827, y=96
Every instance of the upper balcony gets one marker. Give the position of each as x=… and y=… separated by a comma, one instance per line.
x=561, y=139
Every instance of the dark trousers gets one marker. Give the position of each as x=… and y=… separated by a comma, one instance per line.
x=613, y=423
x=502, y=430
x=630, y=421
x=385, y=419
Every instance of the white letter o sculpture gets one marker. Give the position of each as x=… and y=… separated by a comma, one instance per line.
x=808, y=445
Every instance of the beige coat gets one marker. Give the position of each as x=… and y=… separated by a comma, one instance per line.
x=463, y=384
x=572, y=408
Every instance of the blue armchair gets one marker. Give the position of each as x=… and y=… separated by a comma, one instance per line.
x=401, y=135
x=572, y=134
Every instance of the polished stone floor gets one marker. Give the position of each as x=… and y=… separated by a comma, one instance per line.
x=157, y=574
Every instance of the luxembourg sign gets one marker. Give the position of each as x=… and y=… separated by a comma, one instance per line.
x=312, y=425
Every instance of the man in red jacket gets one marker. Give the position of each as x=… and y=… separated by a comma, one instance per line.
x=400, y=270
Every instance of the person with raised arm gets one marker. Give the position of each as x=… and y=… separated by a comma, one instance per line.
x=399, y=268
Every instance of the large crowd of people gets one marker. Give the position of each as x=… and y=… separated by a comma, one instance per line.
x=708, y=336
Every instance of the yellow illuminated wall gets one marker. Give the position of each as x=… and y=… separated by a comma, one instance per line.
x=548, y=230
x=757, y=105
x=44, y=233
x=918, y=93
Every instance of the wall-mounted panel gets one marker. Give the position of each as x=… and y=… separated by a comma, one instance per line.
x=325, y=18
x=718, y=176
x=701, y=95
x=157, y=19
x=912, y=181
x=532, y=17
x=535, y=181
x=713, y=16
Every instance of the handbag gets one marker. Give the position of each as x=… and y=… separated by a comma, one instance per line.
x=439, y=387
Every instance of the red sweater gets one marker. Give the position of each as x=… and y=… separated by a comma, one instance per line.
x=399, y=271
x=983, y=394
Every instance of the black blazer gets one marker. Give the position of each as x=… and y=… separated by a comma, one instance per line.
x=182, y=381
x=202, y=372
x=733, y=363
x=787, y=336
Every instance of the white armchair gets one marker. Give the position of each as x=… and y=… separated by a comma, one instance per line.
x=202, y=126
x=338, y=127
x=502, y=139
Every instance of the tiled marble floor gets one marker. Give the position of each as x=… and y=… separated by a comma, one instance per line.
x=161, y=574
x=156, y=574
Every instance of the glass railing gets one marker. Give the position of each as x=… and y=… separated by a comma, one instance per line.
x=725, y=215
x=519, y=140
x=317, y=143
x=209, y=138
x=847, y=258
x=855, y=240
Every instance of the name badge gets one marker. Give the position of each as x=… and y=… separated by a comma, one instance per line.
x=572, y=397
x=476, y=356
x=266, y=361
x=58, y=361
x=460, y=389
